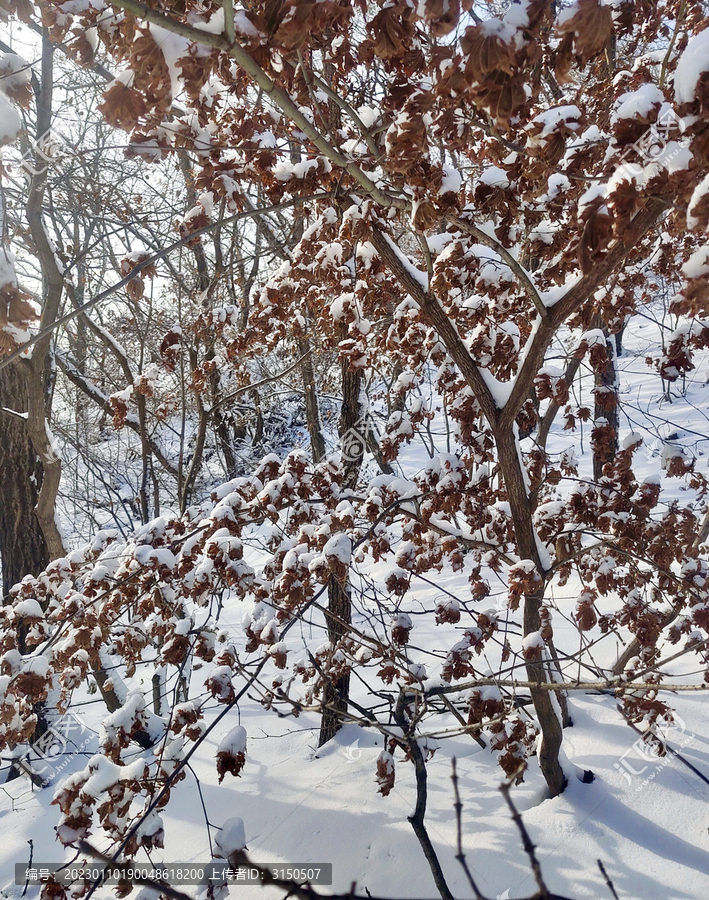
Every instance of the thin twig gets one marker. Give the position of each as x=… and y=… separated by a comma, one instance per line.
x=417, y=819
x=136, y=270
x=267, y=380
x=460, y=856
x=607, y=879
x=526, y=839
x=493, y=244
x=672, y=751
x=29, y=866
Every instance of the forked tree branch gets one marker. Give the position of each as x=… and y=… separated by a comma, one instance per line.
x=441, y=322
x=581, y=291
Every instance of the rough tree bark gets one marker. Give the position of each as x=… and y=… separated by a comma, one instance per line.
x=22, y=546
x=339, y=615
x=312, y=412
x=606, y=410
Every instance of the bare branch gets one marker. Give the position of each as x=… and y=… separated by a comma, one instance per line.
x=611, y=888
x=100, y=399
x=460, y=856
x=417, y=819
x=136, y=270
x=526, y=839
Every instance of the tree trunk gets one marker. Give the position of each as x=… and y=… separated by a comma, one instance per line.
x=39, y=371
x=23, y=549
x=352, y=441
x=606, y=409
x=550, y=726
x=336, y=694
x=312, y=412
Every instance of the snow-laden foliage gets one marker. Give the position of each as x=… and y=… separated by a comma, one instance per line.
x=467, y=205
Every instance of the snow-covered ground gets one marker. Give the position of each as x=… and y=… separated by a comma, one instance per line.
x=651, y=830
